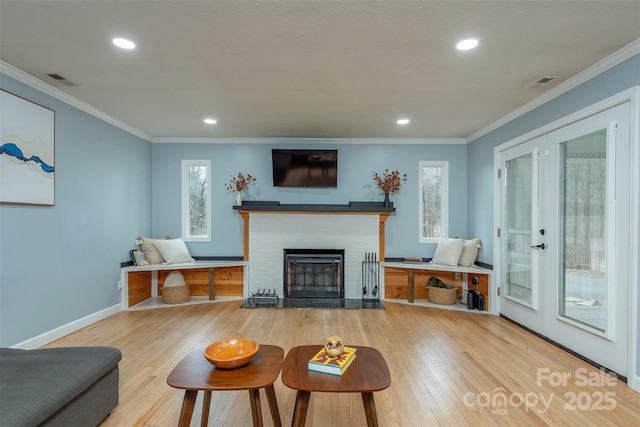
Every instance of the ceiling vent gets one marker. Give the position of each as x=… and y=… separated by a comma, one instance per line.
x=60, y=79
x=542, y=81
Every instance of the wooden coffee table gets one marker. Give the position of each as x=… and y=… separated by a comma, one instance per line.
x=195, y=373
x=368, y=373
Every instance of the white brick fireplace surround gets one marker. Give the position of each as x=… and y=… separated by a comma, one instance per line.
x=270, y=233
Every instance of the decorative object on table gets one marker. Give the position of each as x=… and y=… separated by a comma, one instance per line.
x=238, y=183
x=440, y=292
x=333, y=345
x=138, y=258
x=175, y=290
x=231, y=353
x=389, y=182
x=412, y=260
x=334, y=365
x=27, y=132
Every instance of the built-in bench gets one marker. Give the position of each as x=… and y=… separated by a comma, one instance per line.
x=406, y=280
x=206, y=279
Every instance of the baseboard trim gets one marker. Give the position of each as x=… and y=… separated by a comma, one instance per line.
x=59, y=332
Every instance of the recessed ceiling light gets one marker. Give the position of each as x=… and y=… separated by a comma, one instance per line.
x=210, y=121
x=403, y=121
x=467, y=44
x=124, y=43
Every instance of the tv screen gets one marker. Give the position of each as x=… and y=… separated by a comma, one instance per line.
x=305, y=168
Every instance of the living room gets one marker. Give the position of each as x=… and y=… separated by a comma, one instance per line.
x=60, y=265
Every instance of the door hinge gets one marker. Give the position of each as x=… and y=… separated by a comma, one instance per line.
x=499, y=173
x=498, y=232
x=498, y=290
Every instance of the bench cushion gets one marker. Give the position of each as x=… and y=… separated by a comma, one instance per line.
x=35, y=384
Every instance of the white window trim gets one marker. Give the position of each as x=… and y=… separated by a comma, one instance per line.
x=444, y=201
x=185, y=165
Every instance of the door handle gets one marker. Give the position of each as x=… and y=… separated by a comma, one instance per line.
x=540, y=246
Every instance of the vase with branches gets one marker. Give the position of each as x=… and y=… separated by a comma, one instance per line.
x=389, y=182
x=238, y=183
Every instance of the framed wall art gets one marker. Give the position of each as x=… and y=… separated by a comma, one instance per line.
x=27, y=152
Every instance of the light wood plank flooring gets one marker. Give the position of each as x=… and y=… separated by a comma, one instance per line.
x=448, y=368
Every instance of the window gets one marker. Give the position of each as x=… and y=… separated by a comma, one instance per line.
x=196, y=200
x=433, y=201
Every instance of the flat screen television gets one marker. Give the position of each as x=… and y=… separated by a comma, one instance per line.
x=305, y=168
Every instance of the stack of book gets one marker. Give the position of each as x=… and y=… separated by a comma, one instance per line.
x=337, y=365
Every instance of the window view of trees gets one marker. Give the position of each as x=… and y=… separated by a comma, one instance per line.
x=433, y=200
x=518, y=175
x=585, y=201
x=583, y=191
x=196, y=200
x=198, y=214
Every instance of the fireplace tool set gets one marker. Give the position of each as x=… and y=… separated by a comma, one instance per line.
x=370, y=276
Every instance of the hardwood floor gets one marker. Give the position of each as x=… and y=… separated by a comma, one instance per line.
x=448, y=368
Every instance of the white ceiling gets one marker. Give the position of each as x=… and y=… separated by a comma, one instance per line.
x=310, y=69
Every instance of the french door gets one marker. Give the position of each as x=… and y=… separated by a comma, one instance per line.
x=565, y=227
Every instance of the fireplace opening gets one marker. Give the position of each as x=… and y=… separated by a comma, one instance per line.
x=314, y=273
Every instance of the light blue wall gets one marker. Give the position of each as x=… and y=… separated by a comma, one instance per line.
x=59, y=264
x=356, y=163
x=480, y=175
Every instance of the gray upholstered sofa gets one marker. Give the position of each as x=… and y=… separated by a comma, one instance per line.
x=69, y=386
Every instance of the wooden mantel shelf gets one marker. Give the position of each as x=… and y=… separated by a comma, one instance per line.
x=352, y=207
x=372, y=208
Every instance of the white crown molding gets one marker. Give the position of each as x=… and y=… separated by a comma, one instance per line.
x=599, y=67
x=46, y=88
x=325, y=141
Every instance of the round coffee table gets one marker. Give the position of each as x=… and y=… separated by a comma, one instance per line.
x=368, y=373
x=195, y=373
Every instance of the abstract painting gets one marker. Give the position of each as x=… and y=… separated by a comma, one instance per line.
x=27, y=152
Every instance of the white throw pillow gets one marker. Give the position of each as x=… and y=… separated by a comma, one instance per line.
x=447, y=252
x=174, y=251
x=469, y=252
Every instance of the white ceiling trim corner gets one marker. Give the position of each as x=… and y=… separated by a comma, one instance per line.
x=46, y=88
x=599, y=67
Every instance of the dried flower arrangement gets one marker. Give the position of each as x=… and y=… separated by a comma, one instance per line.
x=240, y=182
x=389, y=182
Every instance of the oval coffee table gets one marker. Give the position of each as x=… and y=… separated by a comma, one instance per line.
x=368, y=373
x=195, y=373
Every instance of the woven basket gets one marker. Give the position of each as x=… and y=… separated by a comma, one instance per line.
x=176, y=294
x=442, y=295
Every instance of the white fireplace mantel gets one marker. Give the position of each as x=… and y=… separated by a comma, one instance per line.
x=358, y=229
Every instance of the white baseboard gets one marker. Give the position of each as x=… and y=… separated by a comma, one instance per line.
x=54, y=334
x=634, y=383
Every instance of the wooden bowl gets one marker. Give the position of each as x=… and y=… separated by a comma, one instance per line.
x=231, y=353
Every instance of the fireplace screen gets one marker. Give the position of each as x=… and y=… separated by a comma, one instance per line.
x=313, y=273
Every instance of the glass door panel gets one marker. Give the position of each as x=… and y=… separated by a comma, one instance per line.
x=518, y=226
x=583, y=224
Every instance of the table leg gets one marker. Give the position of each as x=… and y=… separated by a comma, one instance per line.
x=256, y=411
x=188, y=403
x=206, y=404
x=273, y=405
x=370, y=409
x=300, y=410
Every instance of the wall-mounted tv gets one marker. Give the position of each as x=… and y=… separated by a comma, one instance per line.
x=305, y=168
